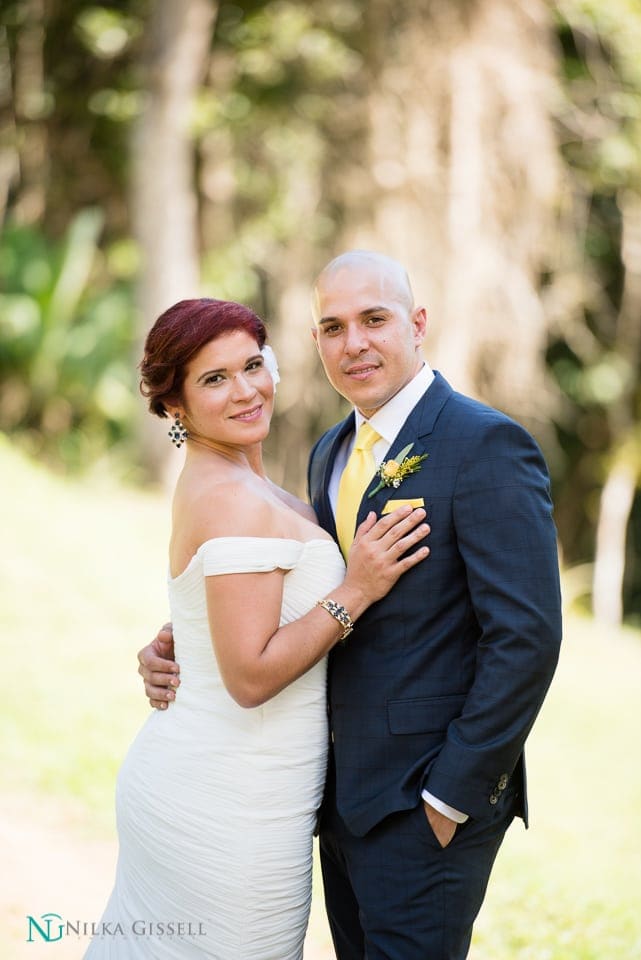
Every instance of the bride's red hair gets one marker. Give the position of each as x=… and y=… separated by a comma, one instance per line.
x=177, y=336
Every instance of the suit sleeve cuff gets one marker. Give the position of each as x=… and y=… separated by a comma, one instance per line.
x=444, y=808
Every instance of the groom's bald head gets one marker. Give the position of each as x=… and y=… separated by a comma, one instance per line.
x=390, y=274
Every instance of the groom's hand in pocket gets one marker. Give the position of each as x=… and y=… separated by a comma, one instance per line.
x=159, y=670
x=442, y=827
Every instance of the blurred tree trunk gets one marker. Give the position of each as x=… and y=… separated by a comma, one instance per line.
x=615, y=505
x=164, y=202
x=24, y=157
x=617, y=495
x=8, y=135
x=458, y=105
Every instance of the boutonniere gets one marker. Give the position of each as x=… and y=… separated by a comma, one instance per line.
x=391, y=473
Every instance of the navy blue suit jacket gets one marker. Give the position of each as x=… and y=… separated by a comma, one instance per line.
x=441, y=680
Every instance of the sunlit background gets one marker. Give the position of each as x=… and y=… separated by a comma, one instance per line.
x=152, y=150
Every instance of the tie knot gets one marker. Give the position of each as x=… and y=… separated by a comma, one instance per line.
x=366, y=437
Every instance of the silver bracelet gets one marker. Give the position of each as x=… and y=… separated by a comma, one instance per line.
x=338, y=612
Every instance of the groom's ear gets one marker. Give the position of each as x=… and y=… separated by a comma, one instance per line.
x=314, y=333
x=419, y=322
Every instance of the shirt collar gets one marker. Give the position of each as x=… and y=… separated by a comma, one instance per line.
x=390, y=418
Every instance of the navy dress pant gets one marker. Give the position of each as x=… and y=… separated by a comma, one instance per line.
x=396, y=894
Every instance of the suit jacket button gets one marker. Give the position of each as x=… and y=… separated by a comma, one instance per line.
x=332, y=736
x=494, y=798
x=503, y=781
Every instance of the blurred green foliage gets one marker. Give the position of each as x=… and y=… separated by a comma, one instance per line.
x=66, y=379
x=594, y=350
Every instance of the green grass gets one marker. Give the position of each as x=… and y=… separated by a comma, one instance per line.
x=82, y=587
x=570, y=887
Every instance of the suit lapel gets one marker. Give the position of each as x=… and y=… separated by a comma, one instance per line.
x=325, y=512
x=416, y=429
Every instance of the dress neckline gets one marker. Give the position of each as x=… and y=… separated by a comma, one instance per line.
x=300, y=543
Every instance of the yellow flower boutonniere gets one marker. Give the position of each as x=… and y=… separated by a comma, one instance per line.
x=391, y=473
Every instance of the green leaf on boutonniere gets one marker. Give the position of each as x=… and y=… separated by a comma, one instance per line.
x=391, y=473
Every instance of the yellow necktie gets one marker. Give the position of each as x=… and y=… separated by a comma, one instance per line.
x=355, y=478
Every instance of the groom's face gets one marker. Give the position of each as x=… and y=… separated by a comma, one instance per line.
x=368, y=335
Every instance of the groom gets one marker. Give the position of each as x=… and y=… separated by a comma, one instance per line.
x=433, y=695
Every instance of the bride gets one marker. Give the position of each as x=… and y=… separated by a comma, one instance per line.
x=217, y=797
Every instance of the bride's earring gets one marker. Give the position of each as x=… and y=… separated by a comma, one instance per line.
x=178, y=432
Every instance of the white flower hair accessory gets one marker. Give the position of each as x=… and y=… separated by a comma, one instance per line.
x=271, y=363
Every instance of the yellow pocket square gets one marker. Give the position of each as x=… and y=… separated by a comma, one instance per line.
x=395, y=504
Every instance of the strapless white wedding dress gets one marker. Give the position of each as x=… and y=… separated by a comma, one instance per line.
x=216, y=804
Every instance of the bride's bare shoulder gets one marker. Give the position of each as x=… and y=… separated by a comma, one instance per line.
x=227, y=508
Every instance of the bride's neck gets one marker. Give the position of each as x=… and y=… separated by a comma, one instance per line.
x=247, y=458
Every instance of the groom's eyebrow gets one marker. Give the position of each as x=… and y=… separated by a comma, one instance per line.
x=370, y=311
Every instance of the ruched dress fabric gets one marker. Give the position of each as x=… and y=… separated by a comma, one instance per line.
x=216, y=804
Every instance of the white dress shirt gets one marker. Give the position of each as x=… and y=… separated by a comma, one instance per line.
x=388, y=422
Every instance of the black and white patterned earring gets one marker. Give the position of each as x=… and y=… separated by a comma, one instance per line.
x=178, y=432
